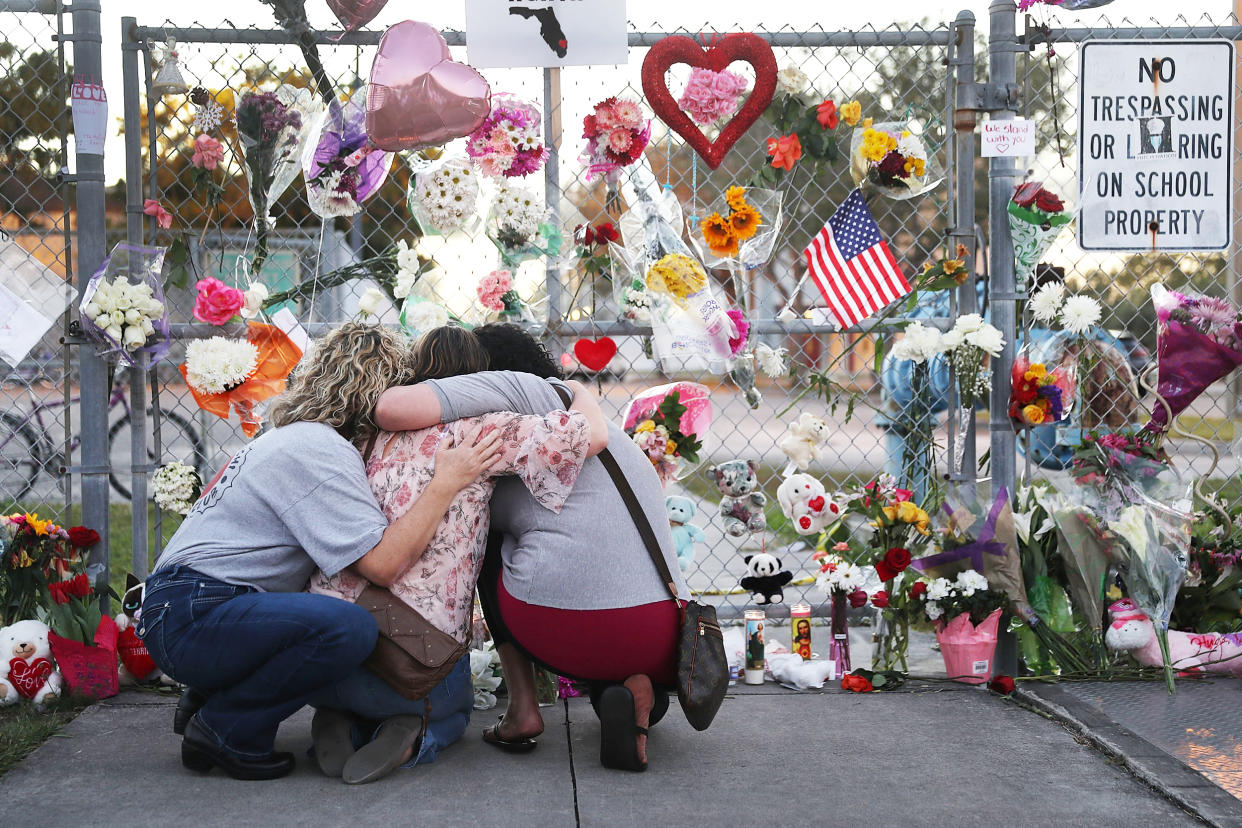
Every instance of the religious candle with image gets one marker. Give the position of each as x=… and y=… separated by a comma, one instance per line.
x=754, y=646
x=800, y=630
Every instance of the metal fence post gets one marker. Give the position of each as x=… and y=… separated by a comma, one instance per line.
x=963, y=230
x=1002, y=175
x=92, y=249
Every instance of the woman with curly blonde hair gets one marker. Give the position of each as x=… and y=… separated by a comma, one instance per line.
x=225, y=611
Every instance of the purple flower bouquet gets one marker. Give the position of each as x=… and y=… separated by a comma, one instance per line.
x=510, y=142
x=342, y=169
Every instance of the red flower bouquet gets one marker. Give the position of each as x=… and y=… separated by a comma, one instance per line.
x=1040, y=396
x=616, y=134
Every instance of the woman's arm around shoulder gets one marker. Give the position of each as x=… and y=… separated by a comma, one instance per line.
x=586, y=403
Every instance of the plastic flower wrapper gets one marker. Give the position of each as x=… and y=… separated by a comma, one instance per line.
x=276, y=357
x=445, y=199
x=485, y=675
x=519, y=228
x=1198, y=341
x=341, y=169
x=670, y=423
x=1036, y=217
x=741, y=230
x=273, y=128
x=123, y=304
x=892, y=160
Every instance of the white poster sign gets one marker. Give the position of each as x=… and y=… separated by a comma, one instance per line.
x=21, y=326
x=90, y=115
x=1013, y=138
x=1155, y=145
x=545, y=32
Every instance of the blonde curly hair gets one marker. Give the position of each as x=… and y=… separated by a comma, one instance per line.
x=340, y=381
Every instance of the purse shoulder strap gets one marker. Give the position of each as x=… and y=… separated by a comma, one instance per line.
x=635, y=508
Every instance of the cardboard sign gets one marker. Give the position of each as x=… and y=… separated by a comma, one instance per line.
x=545, y=32
x=90, y=115
x=1155, y=145
x=1008, y=139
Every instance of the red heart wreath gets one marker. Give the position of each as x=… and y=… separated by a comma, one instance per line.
x=737, y=46
x=595, y=354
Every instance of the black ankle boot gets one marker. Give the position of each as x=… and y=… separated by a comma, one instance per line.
x=189, y=703
x=199, y=752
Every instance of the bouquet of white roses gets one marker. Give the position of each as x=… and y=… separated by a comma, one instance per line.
x=175, y=487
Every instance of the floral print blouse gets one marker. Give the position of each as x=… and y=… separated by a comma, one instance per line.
x=546, y=453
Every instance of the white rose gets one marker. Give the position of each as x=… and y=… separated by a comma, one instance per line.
x=153, y=308
x=134, y=338
x=118, y=318
x=90, y=310
x=133, y=317
x=934, y=611
x=103, y=301
x=371, y=302
x=254, y=297
x=148, y=328
x=114, y=332
x=791, y=81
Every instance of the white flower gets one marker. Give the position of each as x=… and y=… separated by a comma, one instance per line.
x=786, y=316
x=791, y=81
x=933, y=610
x=911, y=146
x=255, y=296
x=970, y=581
x=175, y=487
x=134, y=337
x=216, y=364
x=123, y=311
x=422, y=316
x=968, y=323
x=919, y=344
x=951, y=340
x=327, y=201
x=448, y=195
x=404, y=283
x=1079, y=313
x=517, y=210
x=774, y=363
x=407, y=257
x=939, y=589
x=987, y=339
x=371, y=302
x=483, y=677
x=1046, y=303
x=848, y=577
x=1131, y=526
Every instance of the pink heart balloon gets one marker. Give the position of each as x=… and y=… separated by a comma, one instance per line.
x=354, y=14
x=418, y=96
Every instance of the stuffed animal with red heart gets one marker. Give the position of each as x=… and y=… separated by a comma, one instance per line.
x=717, y=57
x=31, y=672
x=595, y=354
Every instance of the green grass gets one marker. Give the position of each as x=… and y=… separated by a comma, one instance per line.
x=1209, y=428
x=22, y=728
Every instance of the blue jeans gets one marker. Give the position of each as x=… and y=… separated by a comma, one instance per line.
x=447, y=706
x=258, y=656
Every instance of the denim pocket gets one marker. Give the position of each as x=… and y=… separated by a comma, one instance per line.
x=151, y=627
x=208, y=594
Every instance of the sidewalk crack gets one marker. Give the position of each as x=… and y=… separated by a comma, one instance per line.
x=573, y=776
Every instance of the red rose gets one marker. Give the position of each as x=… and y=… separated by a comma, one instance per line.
x=857, y=598
x=1025, y=194
x=919, y=589
x=884, y=570
x=81, y=537
x=856, y=684
x=216, y=302
x=1002, y=685
x=879, y=599
x=606, y=232
x=898, y=558
x=826, y=114
x=1048, y=202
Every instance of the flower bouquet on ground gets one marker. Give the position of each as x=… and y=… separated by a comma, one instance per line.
x=341, y=169
x=237, y=374
x=842, y=582
x=519, y=227
x=1209, y=600
x=966, y=612
x=34, y=552
x=82, y=638
x=273, y=128
x=509, y=142
x=741, y=231
x=616, y=135
x=445, y=199
x=1198, y=341
x=123, y=304
x=669, y=423
x=891, y=159
x=1036, y=217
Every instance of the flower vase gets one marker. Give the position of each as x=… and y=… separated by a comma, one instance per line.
x=969, y=651
x=89, y=671
x=839, y=647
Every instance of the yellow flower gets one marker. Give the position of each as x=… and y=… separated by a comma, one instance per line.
x=868, y=121
x=719, y=235
x=952, y=266
x=851, y=112
x=927, y=267
x=875, y=144
x=23, y=560
x=916, y=167
x=1035, y=372
x=1033, y=414
x=645, y=425
x=745, y=221
x=890, y=513
x=40, y=527
x=670, y=447
x=735, y=197
x=677, y=275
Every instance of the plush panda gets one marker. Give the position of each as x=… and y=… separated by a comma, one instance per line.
x=764, y=577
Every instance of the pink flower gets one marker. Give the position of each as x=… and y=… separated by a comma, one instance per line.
x=737, y=344
x=208, y=152
x=156, y=210
x=619, y=139
x=605, y=117
x=628, y=114
x=216, y=302
x=728, y=85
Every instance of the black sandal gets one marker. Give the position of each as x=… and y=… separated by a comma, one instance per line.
x=491, y=735
x=618, y=738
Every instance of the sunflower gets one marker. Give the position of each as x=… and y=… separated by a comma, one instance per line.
x=719, y=235
x=745, y=221
x=735, y=197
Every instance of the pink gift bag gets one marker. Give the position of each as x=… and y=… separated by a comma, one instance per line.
x=968, y=650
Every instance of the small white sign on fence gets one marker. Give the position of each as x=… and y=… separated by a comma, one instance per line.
x=1013, y=138
x=1155, y=145
x=545, y=32
x=90, y=115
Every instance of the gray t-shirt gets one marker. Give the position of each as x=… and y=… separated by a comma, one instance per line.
x=294, y=499
x=590, y=556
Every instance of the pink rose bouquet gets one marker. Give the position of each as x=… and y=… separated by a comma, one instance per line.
x=216, y=302
x=710, y=95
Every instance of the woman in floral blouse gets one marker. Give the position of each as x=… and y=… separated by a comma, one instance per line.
x=544, y=452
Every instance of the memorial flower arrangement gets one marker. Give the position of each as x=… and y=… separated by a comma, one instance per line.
x=175, y=486
x=343, y=170
x=270, y=129
x=711, y=95
x=616, y=135
x=805, y=128
x=723, y=233
x=216, y=303
x=968, y=345
x=238, y=374
x=496, y=293
x=518, y=226
x=667, y=430
x=124, y=312
x=842, y=581
x=397, y=270
x=592, y=243
x=1036, y=217
x=891, y=158
x=941, y=599
x=32, y=552
x=219, y=364
x=445, y=198
x=509, y=142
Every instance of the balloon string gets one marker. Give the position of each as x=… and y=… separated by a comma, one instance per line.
x=694, y=191
x=310, y=316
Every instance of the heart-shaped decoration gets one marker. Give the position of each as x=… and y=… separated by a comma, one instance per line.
x=27, y=677
x=595, y=354
x=816, y=503
x=804, y=522
x=418, y=96
x=354, y=14
x=679, y=49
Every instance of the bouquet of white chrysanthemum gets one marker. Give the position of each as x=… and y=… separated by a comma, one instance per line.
x=967, y=344
x=219, y=364
x=444, y=199
x=175, y=487
x=518, y=227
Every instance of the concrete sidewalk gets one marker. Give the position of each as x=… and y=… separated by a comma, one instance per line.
x=931, y=754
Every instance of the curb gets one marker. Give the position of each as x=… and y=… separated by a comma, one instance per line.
x=1160, y=770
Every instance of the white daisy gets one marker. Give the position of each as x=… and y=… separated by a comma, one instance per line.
x=1047, y=301
x=1079, y=313
x=773, y=362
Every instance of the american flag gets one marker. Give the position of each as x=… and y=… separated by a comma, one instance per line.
x=852, y=266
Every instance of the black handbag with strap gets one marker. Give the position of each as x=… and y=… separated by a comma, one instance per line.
x=702, y=667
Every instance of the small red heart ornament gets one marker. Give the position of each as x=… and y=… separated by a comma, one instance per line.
x=804, y=522
x=28, y=677
x=679, y=49
x=595, y=354
x=816, y=503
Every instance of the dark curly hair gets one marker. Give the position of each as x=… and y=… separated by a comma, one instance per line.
x=510, y=348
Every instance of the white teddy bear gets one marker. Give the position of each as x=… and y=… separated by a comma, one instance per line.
x=804, y=439
x=804, y=501
x=30, y=672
